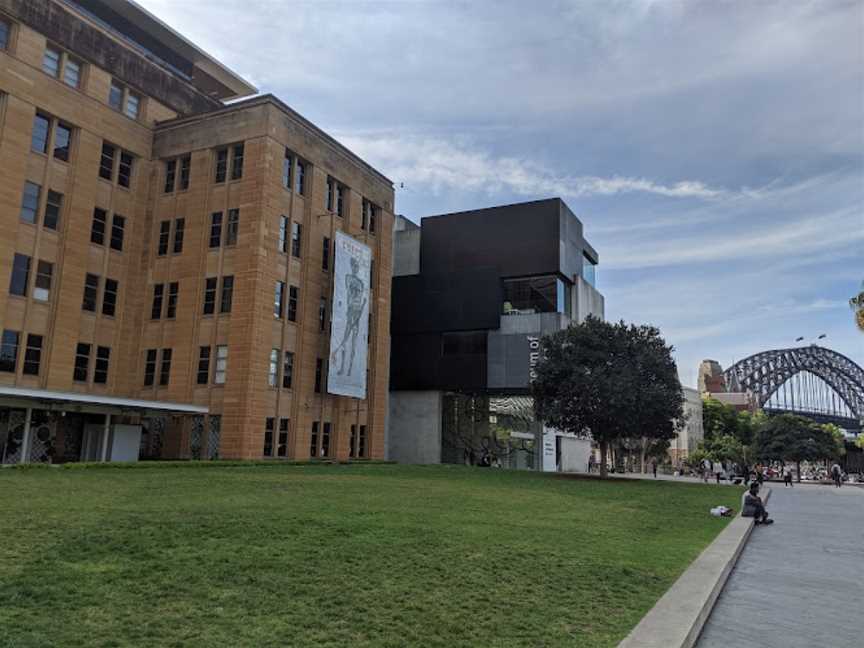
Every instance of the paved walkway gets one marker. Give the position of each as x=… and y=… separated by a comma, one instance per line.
x=799, y=582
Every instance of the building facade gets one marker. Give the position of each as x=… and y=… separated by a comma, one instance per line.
x=472, y=294
x=688, y=436
x=167, y=263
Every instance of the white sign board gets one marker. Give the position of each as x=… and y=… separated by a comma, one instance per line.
x=350, y=318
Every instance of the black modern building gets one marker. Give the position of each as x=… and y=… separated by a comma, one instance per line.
x=472, y=293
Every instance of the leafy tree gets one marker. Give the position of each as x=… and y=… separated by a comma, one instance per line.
x=789, y=437
x=726, y=448
x=856, y=303
x=616, y=381
x=720, y=419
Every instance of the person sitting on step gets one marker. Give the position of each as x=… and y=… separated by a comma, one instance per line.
x=754, y=507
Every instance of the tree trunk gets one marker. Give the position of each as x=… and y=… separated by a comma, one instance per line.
x=798, y=470
x=604, y=448
x=642, y=457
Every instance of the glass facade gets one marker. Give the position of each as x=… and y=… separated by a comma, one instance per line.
x=589, y=271
x=531, y=295
x=483, y=430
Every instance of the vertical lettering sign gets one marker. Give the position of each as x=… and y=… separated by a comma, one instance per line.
x=346, y=375
x=533, y=356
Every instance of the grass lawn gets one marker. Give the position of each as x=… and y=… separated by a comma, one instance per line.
x=375, y=555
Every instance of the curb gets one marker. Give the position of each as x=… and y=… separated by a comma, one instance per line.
x=676, y=620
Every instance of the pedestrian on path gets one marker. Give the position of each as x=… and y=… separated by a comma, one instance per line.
x=654, y=468
x=787, y=477
x=706, y=469
x=837, y=474
x=718, y=470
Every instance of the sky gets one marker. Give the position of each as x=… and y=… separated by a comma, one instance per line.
x=714, y=151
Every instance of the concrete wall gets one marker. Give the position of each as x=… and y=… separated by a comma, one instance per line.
x=414, y=434
x=406, y=252
x=587, y=301
x=574, y=454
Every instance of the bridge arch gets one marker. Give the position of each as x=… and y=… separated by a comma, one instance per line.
x=764, y=374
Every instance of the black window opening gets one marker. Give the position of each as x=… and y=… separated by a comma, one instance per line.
x=124, y=171
x=215, y=229
x=227, y=294
x=32, y=355
x=109, y=297
x=237, y=162
x=82, y=362
x=62, y=141
x=91, y=292
x=42, y=285
x=233, y=228
x=158, y=294
x=100, y=370
x=325, y=254
x=185, y=171
x=106, y=162
x=293, y=296
x=118, y=226
x=362, y=442
x=287, y=370
x=325, y=440
x=9, y=351
x=532, y=295
x=296, y=232
x=313, y=440
x=203, y=376
x=150, y=367
x=20, y=278
x=319, y=374
x=269, y=424
x=179, y=229
x=352, y=442
x=171, y=306
x=164, y=238
x=210, y=295
x=97, y=228
x=165, y=368
x=221, y=165
x=463, y=343
x=300, y=178
x=322, y=314
x=52, y=210
x=282, y=446
x=170, y=175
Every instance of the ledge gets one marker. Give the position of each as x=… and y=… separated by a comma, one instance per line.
x=677, y=618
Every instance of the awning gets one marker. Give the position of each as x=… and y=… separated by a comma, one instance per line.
x=91, y=403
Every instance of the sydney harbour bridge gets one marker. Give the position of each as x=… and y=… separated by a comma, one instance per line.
x=811, y=381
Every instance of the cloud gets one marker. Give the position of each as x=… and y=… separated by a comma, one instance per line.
x=437, y=165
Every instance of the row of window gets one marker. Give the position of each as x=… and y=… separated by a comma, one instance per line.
x=230, y=231
x=229, y=156
x=100, y=224
x=20, y=281
x=165, y=237
x=9, y=353
x=287, y=363
x=220, y=367
x=83, y=355
x=319, y=444
x=30, y=206
x=161, y=359
x=294, y=171
x=50, y=130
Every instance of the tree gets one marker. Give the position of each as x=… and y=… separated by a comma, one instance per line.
x=794, y=438
x=719, y=419
x=616, y=381
x=856, y=303
x=726, y=448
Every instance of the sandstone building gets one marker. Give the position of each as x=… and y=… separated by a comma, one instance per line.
x=166, y=258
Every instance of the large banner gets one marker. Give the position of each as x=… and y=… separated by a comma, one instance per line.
x=350, y=318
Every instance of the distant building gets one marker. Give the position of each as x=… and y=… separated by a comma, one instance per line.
x=711, y=377
x=689, y=436
x=472, y=294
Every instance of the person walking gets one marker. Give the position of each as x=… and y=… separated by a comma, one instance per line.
x=706, y=469
x=787, y=477
x=718, y=470
x=837, y=474
x=654, y=468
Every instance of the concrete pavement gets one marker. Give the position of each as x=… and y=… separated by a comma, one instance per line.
x=799, y=582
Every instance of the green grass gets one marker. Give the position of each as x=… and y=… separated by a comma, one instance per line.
x=350, y=555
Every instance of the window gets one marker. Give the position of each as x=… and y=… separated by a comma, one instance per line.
x=30, y=202
x=5, y=29
x=463, y=343
x=322, y=314
x=156, y=309
x=278, y=299
x=361, y=442
x=221, y=365
x=369, y=215
x=185, y=169
x=215, y=229
x=91, y=292
x=269, y=424
x=210, y=295
x=171, y=306
x=319, y=374
x=179, y=228
x=237, y=162
x=106, y=161
x=109, y=297
x=149, y=367
x=282, y=447
x=535, y=295
x=39, y=137
x=340, y=205
x=20, y=275
x=100, y=371
x=287, y=370
x=325, y=254
x=118, y=224
x=283, y=233
x=325, y=440
x=133, y=105
x=62, y=141
x=51, y=62
x=203, y=365
x=44, y=273
x=313, y=445
x=227, y=294
x=97, y=228
x=72, y=72
x=164, y=238
x=170, y=175
x=165, y=368
x=352, y=442
x=589, y=270
x=233, y=227
x=300, y=178
x=124, y=175
x=52, y=210
x=296, y=231
x=273, y=373
x=221, y=164
x=9, y=351
x=328, y=196
x=115, y=95
x=293, y=293
x=287, y=163
x=82, y=362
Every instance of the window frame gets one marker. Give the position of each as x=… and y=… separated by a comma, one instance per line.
x=83, y=351
x=221, y=365
x=7, y=341
x=19, y=260
x=150, y=367
x=110, y=287
x=30, y=203
x=46, y=278
x=287, y=369
x=293, y=303
x=226, y=300
x=91, y=292
x=32, y=355
x=203, y=366
x=53, y=210
x=273, y=368
x=101, y=365
x=165, y=367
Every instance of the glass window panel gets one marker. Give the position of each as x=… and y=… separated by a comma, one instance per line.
x=106, y=162
x=530, y=295
x=203, y=365
x=118, y=225
x=62, y=140
x=9, y=351
x=179, y=228
x=100, y=370
x=51, y=62
x=44, y=273
x=115, y=96
x=97, y=228
x=20, y=275
x=133, y=104
x=4, y=34
x=91, y=292
x=82, y=362
x=221, y=365
x=109, y=297
x=39, y=136
x=52, y=210
x=72, y=73
x=124, y=172
x=30, y=202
